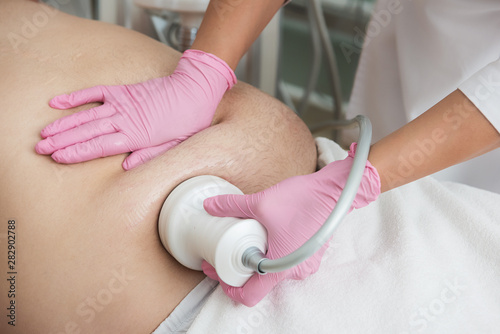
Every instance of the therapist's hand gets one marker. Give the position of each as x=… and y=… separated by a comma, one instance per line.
x=146, y=118
x=291, y=211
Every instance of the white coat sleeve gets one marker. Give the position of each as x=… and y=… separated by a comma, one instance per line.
x=483, y=89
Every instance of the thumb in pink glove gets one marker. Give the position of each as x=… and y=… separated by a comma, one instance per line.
x=291, y=211
x=146, y=118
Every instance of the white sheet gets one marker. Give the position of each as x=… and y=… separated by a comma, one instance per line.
x=424, y=258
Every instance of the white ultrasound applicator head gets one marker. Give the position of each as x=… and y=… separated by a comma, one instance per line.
x=191, y=235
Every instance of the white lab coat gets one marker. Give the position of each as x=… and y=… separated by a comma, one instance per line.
x=415, y=53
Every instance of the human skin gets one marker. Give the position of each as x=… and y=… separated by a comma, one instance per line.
x=456, y=129
x=230, y=27
x=88, y=257
x=196, y=87
x=451, y=132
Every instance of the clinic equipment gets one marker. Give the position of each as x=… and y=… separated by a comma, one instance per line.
x=179, y=34
x=236, y=247
x=176, y=23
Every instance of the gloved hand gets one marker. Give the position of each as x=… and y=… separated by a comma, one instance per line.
x=146, y=118
x=291, y=211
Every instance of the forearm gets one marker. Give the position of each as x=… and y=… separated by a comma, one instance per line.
x=451, y=132
x=231, y=26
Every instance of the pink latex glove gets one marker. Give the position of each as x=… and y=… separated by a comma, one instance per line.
x=146, y=118
x=291, y=211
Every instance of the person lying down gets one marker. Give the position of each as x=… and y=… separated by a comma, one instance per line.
x=87, y=254
x=99, y=290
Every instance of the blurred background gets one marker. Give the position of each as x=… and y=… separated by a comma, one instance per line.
x=307, y=56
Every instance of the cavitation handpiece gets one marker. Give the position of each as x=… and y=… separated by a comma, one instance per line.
x=191, y=235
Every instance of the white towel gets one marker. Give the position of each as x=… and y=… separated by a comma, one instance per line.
x=424, y=258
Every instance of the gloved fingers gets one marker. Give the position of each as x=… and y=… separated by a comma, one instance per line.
x=143, y=155
x=79, y=118
x=229, y=206
x=78, y=98
x=75, y=135
x=98, y=147
x=209, y=270
x=309, y=266
x=257, y=287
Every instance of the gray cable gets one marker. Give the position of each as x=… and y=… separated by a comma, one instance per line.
x=256, y=261
x=338, y=113
x=285, y=96
x=316, y=61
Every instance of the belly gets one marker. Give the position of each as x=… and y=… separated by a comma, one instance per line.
x=87, y=255
x=87, y=251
